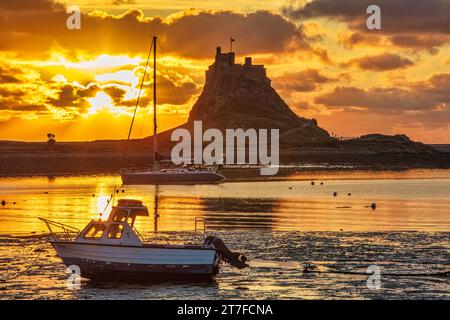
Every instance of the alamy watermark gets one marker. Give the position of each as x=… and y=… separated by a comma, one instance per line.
x=73, y=21
x=73, y=281
x=373, y=22
x=234, y=151
x=374, y=280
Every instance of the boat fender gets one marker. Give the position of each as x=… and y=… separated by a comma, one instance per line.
x=235, y=259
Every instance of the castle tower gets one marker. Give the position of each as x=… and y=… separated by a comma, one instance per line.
x=224, y=64
x=224, y=59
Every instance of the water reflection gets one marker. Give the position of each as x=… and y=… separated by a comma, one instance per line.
x=242, y=213
x=402, y=204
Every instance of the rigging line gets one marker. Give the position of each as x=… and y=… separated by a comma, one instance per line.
x=137, y=100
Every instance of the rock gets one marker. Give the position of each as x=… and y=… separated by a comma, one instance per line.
x=235, y=96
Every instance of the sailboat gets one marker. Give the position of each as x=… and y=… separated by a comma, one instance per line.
x=177, y=175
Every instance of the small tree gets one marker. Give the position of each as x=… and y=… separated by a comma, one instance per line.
x=51, y=139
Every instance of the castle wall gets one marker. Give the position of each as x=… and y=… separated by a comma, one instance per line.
x=224, y=64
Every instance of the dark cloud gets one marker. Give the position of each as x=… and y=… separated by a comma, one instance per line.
x=10, y=75
x=6, y=92
x=380, y=99
x=357, y=38
x=25, y=6
x=429, y=97
x=15, y=99
x=303, y=81
x=70, y=95
x=381, y=62
x=430, y=43
x=397, y=16
x=192, y=34
x=116, y=93
x=122, y=2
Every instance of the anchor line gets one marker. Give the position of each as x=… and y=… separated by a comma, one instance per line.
x=20, y=273
x=389, y=274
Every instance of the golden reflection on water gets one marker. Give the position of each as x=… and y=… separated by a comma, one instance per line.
x=402, y=204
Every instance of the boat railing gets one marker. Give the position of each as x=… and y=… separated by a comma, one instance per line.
x=67, y=232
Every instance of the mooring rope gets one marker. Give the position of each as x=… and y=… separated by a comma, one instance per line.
x=389, y=274
x=20, y=273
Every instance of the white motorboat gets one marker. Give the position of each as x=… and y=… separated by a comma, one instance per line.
x=114, y=249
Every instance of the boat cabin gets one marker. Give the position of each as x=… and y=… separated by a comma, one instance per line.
x=118, y=228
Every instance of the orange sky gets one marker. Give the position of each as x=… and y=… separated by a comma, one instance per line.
x=83, y=84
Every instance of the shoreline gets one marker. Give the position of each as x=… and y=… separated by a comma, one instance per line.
x=286, y=173
x=107, y=157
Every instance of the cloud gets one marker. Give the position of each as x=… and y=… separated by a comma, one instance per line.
x=428, y=42
x=381, y=62
x=415, y=24
x=9, y=75
x=398, y=16
x=428, y=97
x=359, y=38
x=122, y=2
x=24, y=6
x=18, y=100
x=193, y=33
x=73, y=95
x=303, y=81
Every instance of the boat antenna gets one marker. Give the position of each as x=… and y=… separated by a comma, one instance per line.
x=137, y=101
x=155, y=142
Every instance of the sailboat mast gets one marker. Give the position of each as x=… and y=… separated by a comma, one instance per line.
x=155, y=142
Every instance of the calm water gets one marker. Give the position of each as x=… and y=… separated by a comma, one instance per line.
x=279, y=225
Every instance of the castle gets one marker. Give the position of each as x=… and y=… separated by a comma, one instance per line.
x=224, y=65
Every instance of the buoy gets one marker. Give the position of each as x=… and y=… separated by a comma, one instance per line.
x=3, y=203
x=334, y=194
x=373, y=205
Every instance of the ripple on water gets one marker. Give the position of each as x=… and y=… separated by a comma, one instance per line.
x=277, y=260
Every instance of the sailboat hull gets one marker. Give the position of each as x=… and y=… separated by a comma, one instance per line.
x=151, y=177
x=145, y=263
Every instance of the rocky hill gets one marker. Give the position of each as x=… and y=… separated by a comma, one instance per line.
x=240, y=96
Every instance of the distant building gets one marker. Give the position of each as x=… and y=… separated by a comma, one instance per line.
x=224, y=64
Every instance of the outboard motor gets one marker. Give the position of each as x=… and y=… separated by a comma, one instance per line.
x=235, y=259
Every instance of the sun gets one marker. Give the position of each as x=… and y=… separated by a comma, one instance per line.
x=101, y=102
